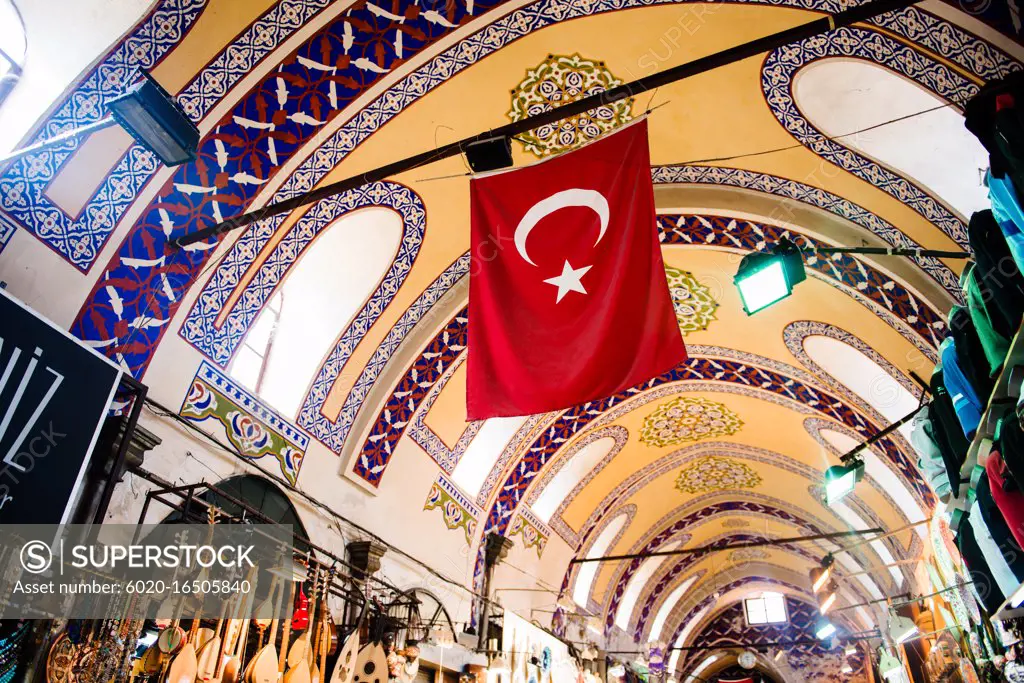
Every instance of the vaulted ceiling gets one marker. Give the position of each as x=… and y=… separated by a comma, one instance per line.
x=358, y=395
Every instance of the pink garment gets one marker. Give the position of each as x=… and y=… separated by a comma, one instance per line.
x=1010, y=503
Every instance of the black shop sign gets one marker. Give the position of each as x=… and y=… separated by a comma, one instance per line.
x=54, y=396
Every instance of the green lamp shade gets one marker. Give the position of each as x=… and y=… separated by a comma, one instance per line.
x=841, y=479
x=764, y=278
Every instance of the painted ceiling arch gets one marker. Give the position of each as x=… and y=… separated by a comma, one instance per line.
x=292, y=94
x=701, y=511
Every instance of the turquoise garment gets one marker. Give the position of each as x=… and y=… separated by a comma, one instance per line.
x=1006, y=209
x=965, y=401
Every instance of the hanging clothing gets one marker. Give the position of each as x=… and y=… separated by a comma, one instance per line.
x=930, y=461
x=1008, y=498
x=972, y=349
x=1003, y=554
x=993, y=115
x=993, y=345
x=965, y=401
x=1006, y=209
x=1005, y=581
x=1009, y=441
x=984, y=578
x=1001, y=283
x=948, y=434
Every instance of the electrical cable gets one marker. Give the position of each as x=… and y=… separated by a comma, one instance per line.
x=158, y=409
x=833, y=138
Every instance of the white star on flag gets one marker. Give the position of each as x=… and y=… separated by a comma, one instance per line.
x=569, y=280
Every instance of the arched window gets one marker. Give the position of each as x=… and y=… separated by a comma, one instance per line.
x=840, y=96
x=12, y=46
x=588, y=570
x=637, y=583
x=318, y=298
x=259, y=494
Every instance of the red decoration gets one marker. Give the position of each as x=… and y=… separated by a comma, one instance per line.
x=568, y=298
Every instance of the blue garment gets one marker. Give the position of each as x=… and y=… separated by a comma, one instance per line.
x=1008, y=213
x=965, y=401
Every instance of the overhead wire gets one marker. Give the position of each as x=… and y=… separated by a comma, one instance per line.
x=764, y=152
x=158, y=409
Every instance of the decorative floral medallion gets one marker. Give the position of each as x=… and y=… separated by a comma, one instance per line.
x=695, y=307
x=559, y=80
x=251, y=427
x=717, y=474
x=458, y=511
x=688, y=418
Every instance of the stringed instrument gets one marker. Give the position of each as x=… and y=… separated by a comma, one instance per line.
x=152, y=660
x=345, y=666
x=262, y=668
x=236, y=637
x=209, y=653
x=286, y=630
x=300, y=620
x=316, y=668
x=300, y=649
x=372, y=662
x=171, y=637
x=185, y=665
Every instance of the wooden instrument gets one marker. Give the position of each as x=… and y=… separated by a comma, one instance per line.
x=300, y=620
x=209, y=653
x=286, y=629
x=262, y=668
x=345, y=666
x=372, y=663
x=185, y=665
x=300, y=649
x=151, y=661
x=236, y=634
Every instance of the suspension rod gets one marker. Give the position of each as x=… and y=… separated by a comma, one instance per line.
x=731, y=546
x=731, y=55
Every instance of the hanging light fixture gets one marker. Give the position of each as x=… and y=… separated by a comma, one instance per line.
x=824, y=629
x=765, y=278
x=889, y=665
x=149, y=114
x=840, y=480
x=901, y=629
x=821, y=575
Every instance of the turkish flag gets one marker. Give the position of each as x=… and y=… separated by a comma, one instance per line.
x=568, y=298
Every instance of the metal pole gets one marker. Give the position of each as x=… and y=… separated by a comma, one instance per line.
x=882, y=434
x=730, y=55
x=887, y=534
x=893, y=251
x=731, y=546
x=67, y=136
x=872, y=602
x=140, y=390
x=872, y=570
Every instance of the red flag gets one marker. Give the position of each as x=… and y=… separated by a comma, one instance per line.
x=568, y=299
